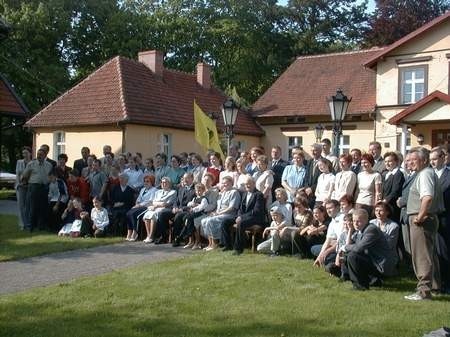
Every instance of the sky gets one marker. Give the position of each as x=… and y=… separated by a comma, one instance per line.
x=370, y=7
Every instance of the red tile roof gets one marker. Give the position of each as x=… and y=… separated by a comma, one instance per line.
x=10, y=103
x=126, y=91
x=435, y=95
x=371, y=62
x=303, y=89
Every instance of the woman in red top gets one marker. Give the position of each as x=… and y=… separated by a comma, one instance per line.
x=215, y=167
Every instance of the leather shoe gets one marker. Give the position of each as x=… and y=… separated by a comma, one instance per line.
x=224, y=249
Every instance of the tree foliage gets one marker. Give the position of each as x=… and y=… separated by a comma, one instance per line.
x=394, y=19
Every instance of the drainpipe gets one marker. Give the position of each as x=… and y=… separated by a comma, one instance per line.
x=403, y=139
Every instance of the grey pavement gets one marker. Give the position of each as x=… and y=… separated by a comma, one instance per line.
x=8, y=207
x=16, y=276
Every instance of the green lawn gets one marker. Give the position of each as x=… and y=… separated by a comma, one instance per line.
x=6, y=193
x=16, y=244
x=217, y=294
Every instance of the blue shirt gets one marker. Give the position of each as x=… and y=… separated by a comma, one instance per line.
x=294, y=176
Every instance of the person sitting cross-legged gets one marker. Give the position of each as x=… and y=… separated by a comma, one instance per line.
x=176, y=214
x=227, y=207
x=251, y=212
x=369, y=257
x=272, y=244
x=164, y=199
x=144, y=199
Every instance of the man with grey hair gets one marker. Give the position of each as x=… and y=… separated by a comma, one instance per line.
x=423, y=206
x=375, y=151
x=312, y=171
x=122, y=198
x=369, y=256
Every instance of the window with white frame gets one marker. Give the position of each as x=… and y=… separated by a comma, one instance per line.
x=59, y=143
x=413, y=84
x=294, y=142
x=165, y=144
x=344, y=146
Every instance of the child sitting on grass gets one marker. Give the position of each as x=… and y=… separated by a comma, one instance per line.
x=272, y=245
x=71, y=218
x=98, y=221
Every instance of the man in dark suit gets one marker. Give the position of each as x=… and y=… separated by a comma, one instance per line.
x=368, y=258
x=122, y=199
x=313, y=172
x=185, y=194
x=393, y=180
x=437, y=161
x=251, y=212
x=356, y=160
x=401, y=203
x=277, y=166
x=81, y=163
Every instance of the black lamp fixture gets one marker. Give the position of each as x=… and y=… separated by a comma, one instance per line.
x=338, y=108
x=230, y=111
x=318, y=131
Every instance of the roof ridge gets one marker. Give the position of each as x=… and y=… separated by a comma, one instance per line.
x=350, y=52
x=68, y=91
x=121, y=88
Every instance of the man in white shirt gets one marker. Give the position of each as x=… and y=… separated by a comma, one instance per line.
x=327, y=252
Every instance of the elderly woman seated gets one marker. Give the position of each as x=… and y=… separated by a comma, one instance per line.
x=144, y=199
x=164, y=198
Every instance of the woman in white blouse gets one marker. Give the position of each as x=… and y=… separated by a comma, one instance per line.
x=325, y=182
x=264, y=179
x=229, y=171
x=345, y=181
x=369, y=185
x=197, y=168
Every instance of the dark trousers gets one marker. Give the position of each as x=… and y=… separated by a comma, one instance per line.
x=118, y=220
x=178, y=223
x=38, y=204
x=54, y=216
x=134, y=215
x=304, y=243
x=240, y=238
x=225, y=237
x=361, y=269
x=188, y=224
x=162, y=223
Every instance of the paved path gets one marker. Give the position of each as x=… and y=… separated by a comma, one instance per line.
x=55, y=268
x=8, y=207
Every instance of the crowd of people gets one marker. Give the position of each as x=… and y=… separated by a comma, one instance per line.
x=358, y=215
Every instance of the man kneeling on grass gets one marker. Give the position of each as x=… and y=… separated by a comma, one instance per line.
x=369, y=257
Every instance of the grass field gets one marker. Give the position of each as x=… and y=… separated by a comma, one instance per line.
x=16, y=244
x=6, y=193
x=217, y=294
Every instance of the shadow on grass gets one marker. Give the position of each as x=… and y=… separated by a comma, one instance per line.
x=42, y=320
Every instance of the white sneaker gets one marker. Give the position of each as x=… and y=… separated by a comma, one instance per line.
x=416, y=297
x=148, y=240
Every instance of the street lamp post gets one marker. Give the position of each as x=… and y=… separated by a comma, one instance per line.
x=318, y=131
x=229, y=112
x=338, y=108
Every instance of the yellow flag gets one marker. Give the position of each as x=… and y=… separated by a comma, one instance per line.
x=206, y=131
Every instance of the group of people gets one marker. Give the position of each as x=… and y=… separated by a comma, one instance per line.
x=356, y=215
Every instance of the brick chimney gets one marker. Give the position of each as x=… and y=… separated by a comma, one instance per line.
x=153, y=59
x=204, y=75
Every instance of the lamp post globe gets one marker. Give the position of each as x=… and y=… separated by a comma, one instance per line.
x=338, y=105
x=230, y=111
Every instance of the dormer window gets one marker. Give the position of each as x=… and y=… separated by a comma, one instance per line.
x=413, y=84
